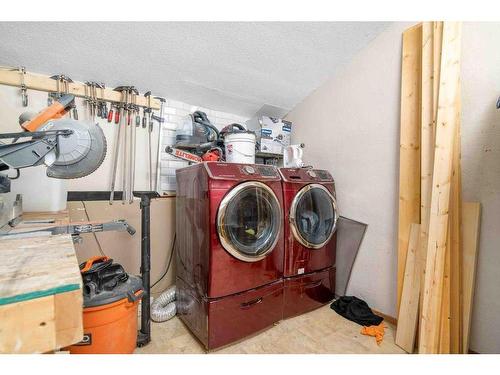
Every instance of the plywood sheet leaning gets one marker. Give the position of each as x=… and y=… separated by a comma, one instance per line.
x=471, y=215
x=408, y=309
x=447, y=120
x=409, y=150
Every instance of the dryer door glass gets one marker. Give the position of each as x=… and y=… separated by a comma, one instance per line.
x=313, y=216
x=249, y=221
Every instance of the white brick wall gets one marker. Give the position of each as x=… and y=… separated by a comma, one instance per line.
x=175, y=112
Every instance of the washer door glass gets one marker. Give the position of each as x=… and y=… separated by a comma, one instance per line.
x=313, y=216
x=249, y=221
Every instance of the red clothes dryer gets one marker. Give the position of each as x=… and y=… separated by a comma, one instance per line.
x=230, y=250
x=311, y=215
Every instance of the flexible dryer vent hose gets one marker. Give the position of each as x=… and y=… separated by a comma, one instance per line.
x=163, y=307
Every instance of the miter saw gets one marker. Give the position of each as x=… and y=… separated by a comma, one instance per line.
x=69, y=148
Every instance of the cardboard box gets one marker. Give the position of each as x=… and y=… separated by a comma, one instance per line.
x=272, y=134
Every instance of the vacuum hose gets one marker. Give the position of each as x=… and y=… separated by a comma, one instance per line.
x=163, y=307
x=202, y=119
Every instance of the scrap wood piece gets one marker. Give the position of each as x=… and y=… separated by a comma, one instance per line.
x=408, y=310
x=409, y=156
x=447, y=119
x=471, y=218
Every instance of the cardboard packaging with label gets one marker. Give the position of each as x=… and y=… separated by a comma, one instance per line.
x=273, y=134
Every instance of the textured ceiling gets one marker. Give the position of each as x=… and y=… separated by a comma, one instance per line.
x=233, y=67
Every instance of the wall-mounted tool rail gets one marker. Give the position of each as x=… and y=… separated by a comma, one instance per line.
x=39, y=82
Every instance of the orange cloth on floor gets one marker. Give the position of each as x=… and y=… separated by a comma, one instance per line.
x=377, y=331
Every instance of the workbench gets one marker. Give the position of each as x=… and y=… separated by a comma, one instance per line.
x=40, y=292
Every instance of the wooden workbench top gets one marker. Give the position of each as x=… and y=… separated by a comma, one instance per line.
x=36, y=267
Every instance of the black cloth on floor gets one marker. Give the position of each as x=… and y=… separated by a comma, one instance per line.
x=356, y=310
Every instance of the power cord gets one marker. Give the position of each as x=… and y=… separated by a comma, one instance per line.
x=172, y=250
x=169, y=261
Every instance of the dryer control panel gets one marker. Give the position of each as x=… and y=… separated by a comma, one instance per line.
x=305, y=175
x=242, y=171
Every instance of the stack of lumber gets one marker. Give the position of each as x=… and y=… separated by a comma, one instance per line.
x=437, y=234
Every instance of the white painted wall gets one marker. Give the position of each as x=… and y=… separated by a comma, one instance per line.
x=175, y=111
x=350, y=126
x=481, y=171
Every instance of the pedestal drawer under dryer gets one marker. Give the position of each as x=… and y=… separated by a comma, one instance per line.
x=235, y=317
x=307, y=292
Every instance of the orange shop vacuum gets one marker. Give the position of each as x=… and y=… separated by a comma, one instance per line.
x=110, y=308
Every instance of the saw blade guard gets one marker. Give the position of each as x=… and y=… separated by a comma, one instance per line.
x=78, y=154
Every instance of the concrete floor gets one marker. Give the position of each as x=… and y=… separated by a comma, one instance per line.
x=320, y=331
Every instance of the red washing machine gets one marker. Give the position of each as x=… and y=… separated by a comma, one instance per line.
x=230, y=250
x=311, y=218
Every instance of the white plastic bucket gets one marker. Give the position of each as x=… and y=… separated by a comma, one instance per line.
x=240, y=148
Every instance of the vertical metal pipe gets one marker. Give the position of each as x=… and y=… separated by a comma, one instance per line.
x=144, y=336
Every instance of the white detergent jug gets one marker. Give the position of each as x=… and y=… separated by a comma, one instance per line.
x=292, y=156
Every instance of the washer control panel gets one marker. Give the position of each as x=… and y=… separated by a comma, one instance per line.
x=242, y=171
x=305, y=175
x=248, y=169
x=311, y=173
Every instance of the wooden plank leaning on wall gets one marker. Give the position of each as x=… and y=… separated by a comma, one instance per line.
x=431, y=52
x=409, y=150
x=445, y=300
x=471, y=216
x=446, y=125
x=408, y=310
